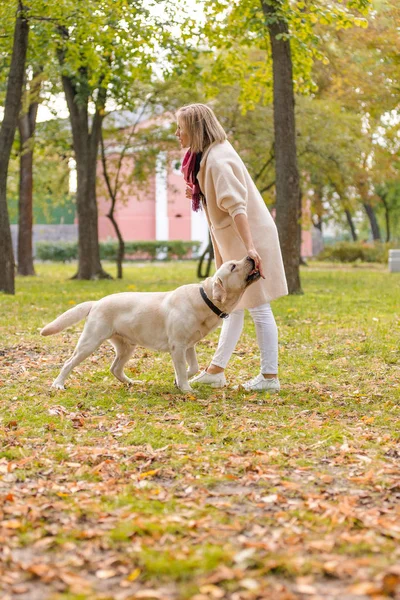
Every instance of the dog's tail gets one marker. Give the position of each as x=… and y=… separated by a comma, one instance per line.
x=70, y=317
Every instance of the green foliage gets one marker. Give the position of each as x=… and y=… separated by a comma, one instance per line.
x=387, y=193
x=348, y=252
x=180, y=249
x=166, y=565
x=366, y=87
x=58, y=252
x=53, y=150
x=139, y=250
x=112, y=46
x=47, y=210
x=239, y=31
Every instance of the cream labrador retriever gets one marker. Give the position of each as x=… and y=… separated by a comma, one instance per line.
x=165, y=321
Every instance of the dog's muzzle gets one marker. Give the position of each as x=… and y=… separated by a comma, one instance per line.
x=254, y=275
x=252, y=262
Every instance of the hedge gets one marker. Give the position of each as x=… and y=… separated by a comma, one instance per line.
x=357, y=251
x=142, y=250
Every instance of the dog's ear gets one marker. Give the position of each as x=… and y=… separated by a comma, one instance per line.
x=218, y=291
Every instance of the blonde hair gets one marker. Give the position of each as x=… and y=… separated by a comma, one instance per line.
x=202, y=126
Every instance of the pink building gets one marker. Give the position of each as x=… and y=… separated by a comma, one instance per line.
x=161, y=211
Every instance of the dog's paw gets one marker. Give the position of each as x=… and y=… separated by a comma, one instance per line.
x=185, y=389
x=192, y=373
x=57, y=386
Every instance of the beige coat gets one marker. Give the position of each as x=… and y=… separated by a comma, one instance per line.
x=230, y=191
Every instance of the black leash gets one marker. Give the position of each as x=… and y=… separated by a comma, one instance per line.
x=214, y=308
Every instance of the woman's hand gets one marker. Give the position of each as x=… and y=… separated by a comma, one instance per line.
x=252, y=253
x=188, y=192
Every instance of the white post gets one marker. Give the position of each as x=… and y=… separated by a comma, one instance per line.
x=162, y=229
x=394, y=261
x=72, y=176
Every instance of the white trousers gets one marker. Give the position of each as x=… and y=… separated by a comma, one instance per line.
x=267, y=338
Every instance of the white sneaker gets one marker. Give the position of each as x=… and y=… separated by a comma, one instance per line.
x=261, y=383
x=215, y=380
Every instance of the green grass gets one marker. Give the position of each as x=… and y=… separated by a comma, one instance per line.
x=147, y=488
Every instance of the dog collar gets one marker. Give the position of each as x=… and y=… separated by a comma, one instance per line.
x=214, y=308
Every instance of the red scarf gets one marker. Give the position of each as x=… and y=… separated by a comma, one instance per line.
x=190, y=168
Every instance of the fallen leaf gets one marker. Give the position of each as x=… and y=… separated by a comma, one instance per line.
x=105, y=573
x=133, y=575
x=271, y=499
x=148, y=473
x=363, y=588
x=390, y=583
x=212, y=591
x=152, y=594
x=11, y=524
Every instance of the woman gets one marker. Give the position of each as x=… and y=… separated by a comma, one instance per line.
x=240, y=224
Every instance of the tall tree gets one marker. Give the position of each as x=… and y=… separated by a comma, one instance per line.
x=38, y=68
x=389, y=195
x=386, y=183
x=27, y=126
x=86, y=133
x=105, y=52
x=287, y=174
x=7, y=132
x=286, y=61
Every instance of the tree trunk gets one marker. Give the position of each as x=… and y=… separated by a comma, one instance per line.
x=121, y=243
x=287, y=176
x=113, y=190
x=387, y=217
x=111, y=212
x=27, y=125
x=351, y=224
x=89, y=265
x=376, y=234
x=86, y=145
x=7, y=132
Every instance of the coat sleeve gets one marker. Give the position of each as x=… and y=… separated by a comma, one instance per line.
x=230, y=188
